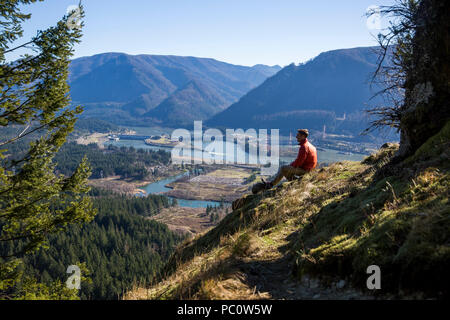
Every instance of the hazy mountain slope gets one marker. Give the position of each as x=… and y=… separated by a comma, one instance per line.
x=308, y=95
x=121, y=85
x=194, y=101
x=118, y=78
x=314, y=238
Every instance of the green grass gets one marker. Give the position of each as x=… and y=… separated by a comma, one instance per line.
x=400, y=223
x=341, y=219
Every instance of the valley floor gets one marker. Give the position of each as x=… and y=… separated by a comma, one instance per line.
x=186, y=220
x=122, y=185
x=225, y=183
x=314, y=238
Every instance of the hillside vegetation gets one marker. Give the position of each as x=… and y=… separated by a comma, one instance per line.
x=315, y=237
x=122, y=88
x=119, y=248
x=316, y=93
x=111, y=161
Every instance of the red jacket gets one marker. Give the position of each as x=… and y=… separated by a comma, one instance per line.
x=307, y=156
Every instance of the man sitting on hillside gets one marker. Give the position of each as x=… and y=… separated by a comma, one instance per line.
x=305, y=162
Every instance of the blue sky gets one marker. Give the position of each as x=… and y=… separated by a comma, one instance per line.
x=245, y=32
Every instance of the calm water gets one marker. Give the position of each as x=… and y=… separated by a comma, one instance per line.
x=160, y=187
x=140, y=144
x=325, y=155
x=328, y=155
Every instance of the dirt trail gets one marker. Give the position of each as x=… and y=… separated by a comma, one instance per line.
x=266, y=273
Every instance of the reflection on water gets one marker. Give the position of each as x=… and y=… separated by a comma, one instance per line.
x=160, y=187
x=324, y=156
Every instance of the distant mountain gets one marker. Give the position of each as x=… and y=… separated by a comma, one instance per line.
x=194, y=101
x=121, y=87
x=332, y=90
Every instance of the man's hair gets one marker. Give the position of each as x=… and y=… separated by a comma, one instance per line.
x=304, y=131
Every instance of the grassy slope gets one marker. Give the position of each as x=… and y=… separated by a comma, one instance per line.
x=315, y=238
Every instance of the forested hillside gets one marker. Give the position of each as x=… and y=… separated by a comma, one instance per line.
x=331, y=90
x=192, y=102
x=120, y=248
x=121, y=87
x=126, y=162
x=111, y=161
x=88, y=125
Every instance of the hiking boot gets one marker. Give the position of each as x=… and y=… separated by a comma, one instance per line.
x=260, y=186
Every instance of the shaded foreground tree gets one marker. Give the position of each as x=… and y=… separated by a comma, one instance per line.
x=34, y=201
x=414, y=70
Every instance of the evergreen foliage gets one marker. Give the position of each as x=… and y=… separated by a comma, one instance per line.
x=111, y=161
x=35, y=202
x=119, y=249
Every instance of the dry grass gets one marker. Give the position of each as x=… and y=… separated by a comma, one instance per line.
x=118, y=185
x=185, y=220
x=329, y=226
x=251, y=236
x=222, y=184
x=98, y=138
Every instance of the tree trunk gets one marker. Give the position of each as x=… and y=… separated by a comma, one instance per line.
x=426, y=107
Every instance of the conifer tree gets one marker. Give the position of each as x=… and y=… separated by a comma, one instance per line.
x=34, y=102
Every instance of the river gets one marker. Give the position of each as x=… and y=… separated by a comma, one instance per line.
x=160, y=187
x=324, y=155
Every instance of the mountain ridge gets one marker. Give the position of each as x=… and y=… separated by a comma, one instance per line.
x=126, y=86
x=334, y=83
x=193, y=98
